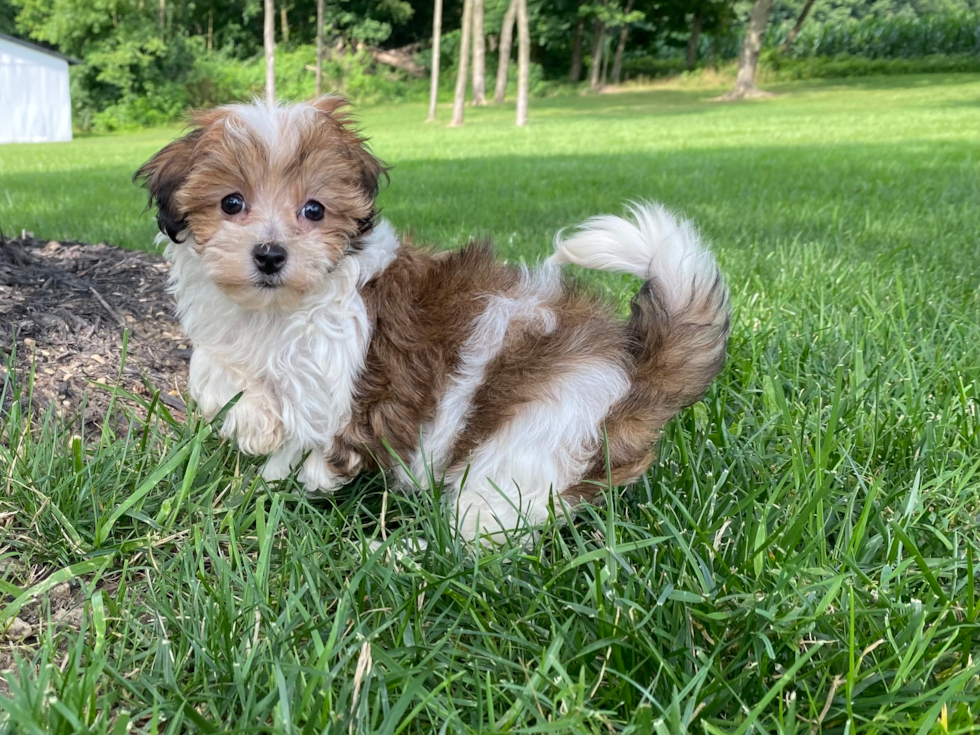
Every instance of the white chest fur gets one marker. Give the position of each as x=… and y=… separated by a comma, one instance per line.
x=297, y=369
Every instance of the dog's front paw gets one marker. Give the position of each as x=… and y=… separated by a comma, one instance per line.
x=210, y=385
x=280, y=464
x=254, y=422
x=319, y=477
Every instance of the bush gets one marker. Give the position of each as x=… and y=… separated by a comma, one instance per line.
x=859, y=66
x=652, y=67
x=158, y=105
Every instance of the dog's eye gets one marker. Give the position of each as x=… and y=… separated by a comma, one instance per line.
x=233, y=204
x=313, y=211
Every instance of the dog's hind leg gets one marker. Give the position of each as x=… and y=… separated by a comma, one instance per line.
x=517, y=475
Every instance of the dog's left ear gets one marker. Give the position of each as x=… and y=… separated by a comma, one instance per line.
x=162, y=176
x=373, y=171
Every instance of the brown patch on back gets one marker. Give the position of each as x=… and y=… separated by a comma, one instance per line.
x=530, y=361
x=422, y=308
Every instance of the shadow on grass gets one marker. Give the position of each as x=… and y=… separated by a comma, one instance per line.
x=856, y=198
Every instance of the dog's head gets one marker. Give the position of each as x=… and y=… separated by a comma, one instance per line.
x=273, y=198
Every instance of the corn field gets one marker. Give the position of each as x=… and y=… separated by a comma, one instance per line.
x=886, y=38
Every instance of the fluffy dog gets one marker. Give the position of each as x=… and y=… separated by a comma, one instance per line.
x=353, y=350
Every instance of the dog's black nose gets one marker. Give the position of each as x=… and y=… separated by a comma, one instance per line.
x=269, y=257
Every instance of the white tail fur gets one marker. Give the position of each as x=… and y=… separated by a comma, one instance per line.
x=652, y=244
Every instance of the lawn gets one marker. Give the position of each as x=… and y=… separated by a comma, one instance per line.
x=803, y=556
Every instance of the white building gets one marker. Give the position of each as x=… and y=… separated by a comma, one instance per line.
x=35, y=106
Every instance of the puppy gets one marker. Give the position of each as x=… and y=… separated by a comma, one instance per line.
x=353, y=350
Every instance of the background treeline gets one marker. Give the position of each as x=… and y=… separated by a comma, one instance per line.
x=147, y=61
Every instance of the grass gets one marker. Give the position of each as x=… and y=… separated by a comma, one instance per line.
x=802, y=557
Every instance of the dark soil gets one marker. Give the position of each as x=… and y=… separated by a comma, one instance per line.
x=67, y=304
x=59, y=609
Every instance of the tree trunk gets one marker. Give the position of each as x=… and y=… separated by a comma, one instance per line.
x=605, y=63
x=399, y=58
x=621, y=47
x=575, y=73
x=319, y=47
x=211, y=30
x=284, y=23
x=692, y=43
x=270, y=52
x=506, y=41
x=795, y=30
x=479, y=56
x=436, y=37
x=748, y=55
x=163, y=15
x=600, y=36
x=459, y=100
x=523, y=61
x=617, y=70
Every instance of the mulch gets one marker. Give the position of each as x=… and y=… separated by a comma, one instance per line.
x=64, y=308
x=60, y=608
x=66, y=305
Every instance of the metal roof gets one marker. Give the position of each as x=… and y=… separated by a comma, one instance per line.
x=36, y=47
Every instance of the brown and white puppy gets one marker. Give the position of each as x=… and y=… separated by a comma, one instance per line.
x=500, y=381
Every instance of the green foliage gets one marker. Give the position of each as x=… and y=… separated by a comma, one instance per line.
x=8, y=15
x=887, y=37
x=214, y=79
x=850, y=40
x=803, y=556
x=138, y=73
x=841, y=11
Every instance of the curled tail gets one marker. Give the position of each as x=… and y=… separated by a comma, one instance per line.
x=680, y=317
x=678, y=327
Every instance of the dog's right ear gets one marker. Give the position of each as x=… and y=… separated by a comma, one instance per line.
x=162, y=176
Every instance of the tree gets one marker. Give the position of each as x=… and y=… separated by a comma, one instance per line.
x=459, y=100
x=479, y=56
x=319, y=46
x=624, y=30
x=692, y=42
x=523, y=62
x=270, y=52
x=284, y=22
x=697, y=18
x=599, y=30
x=503, y=62
x=575, y=72
x=748, y=55
x=8, y=15
x=795, y=30
x=436, y=36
